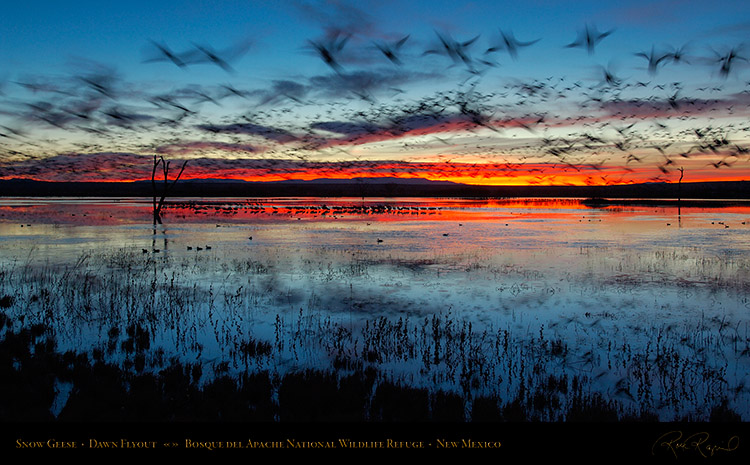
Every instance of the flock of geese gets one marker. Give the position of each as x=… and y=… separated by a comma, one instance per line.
x=609, y=130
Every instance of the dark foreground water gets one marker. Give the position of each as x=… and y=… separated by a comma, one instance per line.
x=644, y=306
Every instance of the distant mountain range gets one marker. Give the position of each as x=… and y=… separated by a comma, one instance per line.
x=326, y=181
x=371, y=187
x=373, y=181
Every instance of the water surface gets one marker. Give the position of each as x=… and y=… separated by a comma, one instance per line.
x=618, y=285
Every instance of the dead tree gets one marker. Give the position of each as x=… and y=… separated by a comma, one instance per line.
x=679, y=196
x=167, y=186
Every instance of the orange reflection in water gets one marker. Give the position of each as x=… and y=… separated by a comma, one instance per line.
x=99, y=211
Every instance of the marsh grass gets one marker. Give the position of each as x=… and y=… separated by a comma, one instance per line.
x=125, y=337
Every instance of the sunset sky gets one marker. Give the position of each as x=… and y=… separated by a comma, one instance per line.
x=480, y=92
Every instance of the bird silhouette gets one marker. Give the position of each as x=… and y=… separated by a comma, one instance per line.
x=654, y=59
x=206, y=54
x=510, y=44
x=609, y=78
x=455, y=50
x=588, y=38
x=391, y=50
x=678, y=54
x=330, y=49
x=727, y=60
x=166, y=54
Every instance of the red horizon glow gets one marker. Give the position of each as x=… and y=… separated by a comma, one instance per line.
x=529, y=179
x=131, y=168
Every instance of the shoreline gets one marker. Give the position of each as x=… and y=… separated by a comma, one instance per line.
x=724, y=190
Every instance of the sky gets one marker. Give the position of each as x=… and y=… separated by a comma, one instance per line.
x=481, y=92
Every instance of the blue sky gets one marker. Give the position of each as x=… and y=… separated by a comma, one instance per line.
x=82, y=81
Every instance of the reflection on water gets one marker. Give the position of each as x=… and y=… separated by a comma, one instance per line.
x=64, y=228
x=611, y=285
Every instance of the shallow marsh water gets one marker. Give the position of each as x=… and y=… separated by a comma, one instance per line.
x=648, y=304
